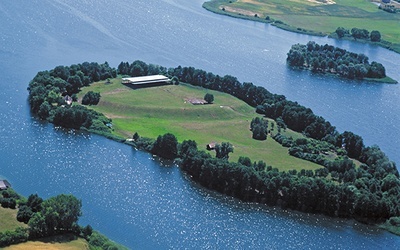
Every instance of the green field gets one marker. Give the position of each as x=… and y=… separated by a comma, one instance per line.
x=8, y=219
x=166, y=109
x=317, y=17
x=59, y=242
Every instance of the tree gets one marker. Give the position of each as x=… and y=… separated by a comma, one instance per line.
x=44, y=110
x=166, y=146
x=341, y=32
x=375, y=36
x=175, y=80
x=58, y=214
x=222, y=150
x=91, y=98
x=209, y=98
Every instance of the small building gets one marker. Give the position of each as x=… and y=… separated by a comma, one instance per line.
x=211, y=146
x=68, y=99
x=4, y=184
x=146, y=80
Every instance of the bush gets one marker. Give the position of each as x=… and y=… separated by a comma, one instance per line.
x=13, y=237
x=91, y=98
x=209, y=98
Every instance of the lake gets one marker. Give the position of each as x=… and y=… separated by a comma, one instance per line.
x=135, y=199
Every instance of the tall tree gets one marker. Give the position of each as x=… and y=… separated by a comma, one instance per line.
x=222, y=150
x=166, y=146
x=209, y=98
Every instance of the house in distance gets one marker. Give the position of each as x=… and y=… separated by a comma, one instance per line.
x=4, y=184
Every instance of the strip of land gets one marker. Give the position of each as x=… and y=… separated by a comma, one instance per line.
x=316, y=17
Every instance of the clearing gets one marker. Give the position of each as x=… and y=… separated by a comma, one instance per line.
x=165, y=109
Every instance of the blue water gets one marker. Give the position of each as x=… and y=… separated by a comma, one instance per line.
x=128, y=195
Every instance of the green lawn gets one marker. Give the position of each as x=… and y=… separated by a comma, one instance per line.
x=8, y=219
x=158, y=110
x=324, y=18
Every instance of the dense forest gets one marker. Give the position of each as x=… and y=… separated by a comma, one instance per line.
x=329, y=59
x=369, y=191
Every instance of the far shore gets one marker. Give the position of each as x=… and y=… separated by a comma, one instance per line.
x=306, y=24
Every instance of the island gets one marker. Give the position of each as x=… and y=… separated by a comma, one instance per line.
x=244, y=141
x=332, y=60
x=379, y=18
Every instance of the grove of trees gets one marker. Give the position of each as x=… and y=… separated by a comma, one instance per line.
x=329, y=59
x=47, y=89
x=356, y=33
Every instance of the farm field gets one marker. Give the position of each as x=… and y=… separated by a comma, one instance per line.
x=167, y=109
x=321, y=17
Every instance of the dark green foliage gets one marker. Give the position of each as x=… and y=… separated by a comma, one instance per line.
x=8, y=237
x=26, y=210
x=341, y=32
x=259, y=127
x=86, y=232
x=245, y=161
x=47, y=88
x=352, y=143
x=375, y=36
x=209, y=98
x=8, y=198
x=24, y=214
x=330, y=59
x=175, y=80
x=187, y=148
x=135, y=136
x=358, y=195
x=98, y=241
x=359, y=33
x=222, y=150
x=91, y=98
x=58, y=214
x=166, y=146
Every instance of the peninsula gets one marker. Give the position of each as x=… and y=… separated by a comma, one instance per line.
x=345, y=178
x=321, y=17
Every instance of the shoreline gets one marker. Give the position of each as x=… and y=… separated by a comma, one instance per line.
x=214, y=6
x=247, y=180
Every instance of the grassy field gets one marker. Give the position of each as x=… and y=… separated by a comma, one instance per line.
x=318, y=17
x=61, y=242
x=159, y=110
x=8, y=219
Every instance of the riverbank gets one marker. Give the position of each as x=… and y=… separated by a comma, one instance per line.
x=317, y=19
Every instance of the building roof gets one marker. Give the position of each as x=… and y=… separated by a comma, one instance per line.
x=4, y=184
x=145, y=79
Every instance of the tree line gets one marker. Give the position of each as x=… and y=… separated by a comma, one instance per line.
x=356, y=33
x=329, y=59
x=365, y=193
x=361, y=197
